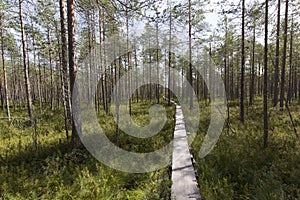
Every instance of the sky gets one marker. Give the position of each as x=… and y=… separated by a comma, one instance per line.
x=211, y=12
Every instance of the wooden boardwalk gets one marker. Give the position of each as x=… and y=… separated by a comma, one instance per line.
x=184, y=183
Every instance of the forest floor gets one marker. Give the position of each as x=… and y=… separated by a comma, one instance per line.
x=38, y=162
x=240, y=168
x=52, y=169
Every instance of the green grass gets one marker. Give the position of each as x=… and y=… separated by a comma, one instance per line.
x=240, y=168
x=237, y=168
x=140, y=115
x=52, y=169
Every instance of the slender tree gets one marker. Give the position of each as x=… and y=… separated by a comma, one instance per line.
x=255, y=14
x=65, y=79
x=170, y=56
x=242, y=97
x=190, y=53
x=252, y=86
x=4, y=68
x=266, y=117
x=276, y=67
x=291, y=71
x=284, y=55
x=51, y=70
x=157, y=57
x=26, y=68
x=76, y=126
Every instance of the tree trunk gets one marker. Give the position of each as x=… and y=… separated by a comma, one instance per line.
x=4, y=70
x=170, y=58
x=100, y=59
x=26, y=70
x=51, y=72
x=252, y=87
x=190, y=55
x=157, y=62
x=290, y=89
x=226, y=71
x=150, y=68
x=14, y=81
x=266, y=124
x=242, y=112
x=276, y=78
x=76, y=126
x=128, y=76
x=65, y=80
x=36, y=71
x=284, y=56
x=104, y=80
x=40, y=83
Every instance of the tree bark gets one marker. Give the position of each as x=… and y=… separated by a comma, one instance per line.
x=284, y=56
x=266, y=124
x=76, y=125
x=190, y=54
x=4, y=70
x=157, y=61
x=170, y=58
x=276, y=78
x=128, y=76
x=65, y=79
x=290, y=89
x=51, y=72
x=242, y=112
x=252, y=87
x=26, y=69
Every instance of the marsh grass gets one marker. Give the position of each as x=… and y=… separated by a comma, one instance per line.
x=240, y=168
x=52, y=169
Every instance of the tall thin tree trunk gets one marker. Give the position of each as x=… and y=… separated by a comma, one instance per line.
x=76, y=127
x=284, y=56
x=136, y=74
x=170, y=58
x=37, y=71
x=51, y=72
x=14, y=81
x=252, y=87
x=128, y=76
x=226, y=71
x=266, y=117
x=295, y=80
x=26, y=70
x=1, y=95
x=190, y=55
x=118, y=98
x=105, y=83
x=4, y=69
x=157, y=61
x=101, y=23
x=90, y=56
x=211, y=75
x=67, y=103
x=242, y=112
x=40, y=83
x=104, y=79
x=290, y=89
x=276, y=78
x=150, y=68
x=59, y=79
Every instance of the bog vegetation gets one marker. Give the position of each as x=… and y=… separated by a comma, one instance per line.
x=253, y=47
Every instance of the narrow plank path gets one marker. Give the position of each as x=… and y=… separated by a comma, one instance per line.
x=184, y=183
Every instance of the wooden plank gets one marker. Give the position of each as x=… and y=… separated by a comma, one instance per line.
x=184, y=182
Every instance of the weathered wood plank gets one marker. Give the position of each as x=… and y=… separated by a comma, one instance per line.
x=184, y=183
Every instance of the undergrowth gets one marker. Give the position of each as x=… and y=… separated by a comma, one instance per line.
x=240, y=168
x=38, y=163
